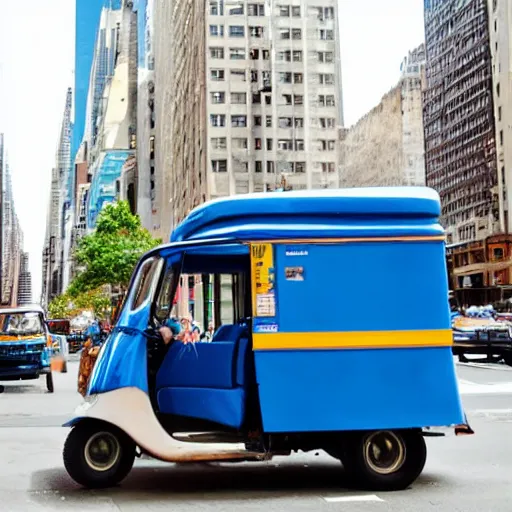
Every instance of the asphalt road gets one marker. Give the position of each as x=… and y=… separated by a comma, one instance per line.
x=462, y=474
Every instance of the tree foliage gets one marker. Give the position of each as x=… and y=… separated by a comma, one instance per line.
x=65, y=306
x=110, y=253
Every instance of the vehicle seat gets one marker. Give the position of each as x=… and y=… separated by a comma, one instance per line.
x=208, y=380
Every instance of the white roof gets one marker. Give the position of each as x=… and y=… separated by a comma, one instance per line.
x=35, y=308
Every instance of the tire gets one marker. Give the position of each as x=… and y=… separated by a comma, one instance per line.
x=49, y=382
x=79, y=454
x=396, y=470
x=508, y=358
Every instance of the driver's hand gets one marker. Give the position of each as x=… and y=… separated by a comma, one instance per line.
x=166, y=334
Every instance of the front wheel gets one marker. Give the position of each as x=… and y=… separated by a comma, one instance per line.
x=385, y=460
x=98, y=455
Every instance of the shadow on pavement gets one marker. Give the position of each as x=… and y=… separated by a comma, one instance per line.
x=209, y=481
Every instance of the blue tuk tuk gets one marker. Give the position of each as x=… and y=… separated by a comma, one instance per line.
x=26, y=345
x=295, y=362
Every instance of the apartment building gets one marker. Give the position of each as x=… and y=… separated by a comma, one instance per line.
x=266, y=110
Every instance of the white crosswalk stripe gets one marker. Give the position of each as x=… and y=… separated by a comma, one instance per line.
x=474, y=388
x=345, y=499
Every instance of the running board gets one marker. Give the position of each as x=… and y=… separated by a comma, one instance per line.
x=130, y=410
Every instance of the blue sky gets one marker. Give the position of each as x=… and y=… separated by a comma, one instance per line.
x=36, y=68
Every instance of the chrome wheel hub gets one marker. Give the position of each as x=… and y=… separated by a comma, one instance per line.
x=384, y=452
x=102, y=451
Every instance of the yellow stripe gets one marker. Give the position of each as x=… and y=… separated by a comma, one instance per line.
x=352, y=340
x=433, y=238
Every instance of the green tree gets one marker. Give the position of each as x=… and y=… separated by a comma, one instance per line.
x=58, y=307
x=109, y=254
x=65, y=306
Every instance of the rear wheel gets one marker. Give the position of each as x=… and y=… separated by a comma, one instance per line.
x=49, y=382
x=385, y=460
x=98, y=455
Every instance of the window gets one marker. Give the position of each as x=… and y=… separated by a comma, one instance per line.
x=217, y=53
x=217, y=75
x=300, y=167
x=284, y=33
x=297, y=56
x=499, y=113
x=257, y=120
x=285, y=78
x=218, y=97
x=285, y=122
x=236, y=31
x=217, y=120
x=270, y=167
x=144, y=281
x=498, y=90
x=269, y=144
x=298, y=99
x=326, y=35
x=326, y=79
x=219, y=142
x=219, y=165
x=285, y=144
x=299, y=122
x=238, y=74
x=239, y=143
x=216, y=30
x=325, y=13
x=501, y=137
x=257, y=144
x=236, y=10
x=326, y=100
x=327, y=122
x=266, y=54
x=254, y=54
x=299, y=145
x=256, y=98
x=256, y=9
x=326, y=57
x=328, y=166
x=237, y=53
x=287, y=99
x=254, y=75
x=238, y=121
x=284, y=11
x=285, y=56
x=498, y=253
x=296, y=34
x=296, y=11
x=297, y=78
x=217, y=8
x=256, y=31
x=327, y=145
x=258, y=167
x=268, y=121
x=268, y=99
x=238, y=98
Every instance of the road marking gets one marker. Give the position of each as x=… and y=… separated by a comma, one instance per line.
x=473, y=388
x=487, y=366
x=342, y=499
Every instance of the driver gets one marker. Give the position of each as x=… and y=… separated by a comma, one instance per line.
x=169, y=330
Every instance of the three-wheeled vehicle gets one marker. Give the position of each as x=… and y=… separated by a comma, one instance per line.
x=296, y=364
x=26, y=345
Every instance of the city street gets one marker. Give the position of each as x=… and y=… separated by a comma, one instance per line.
x=462, y=474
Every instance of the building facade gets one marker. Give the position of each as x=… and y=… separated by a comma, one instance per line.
x=248, y=96
x=11, y=241
x=386, y=146
x=460, y=144
x=57, y=247
x=500, y=17
x=25, y=282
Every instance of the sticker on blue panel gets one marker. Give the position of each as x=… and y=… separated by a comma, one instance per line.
x=294, y=273
x=262, y=326
x=295, y=251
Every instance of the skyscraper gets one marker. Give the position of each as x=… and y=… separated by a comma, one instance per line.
x=248, y=98
x=460, y=145
x=25, y=282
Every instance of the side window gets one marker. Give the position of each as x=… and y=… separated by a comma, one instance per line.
x=227, y=311
x=165, y=300
x=143, y=283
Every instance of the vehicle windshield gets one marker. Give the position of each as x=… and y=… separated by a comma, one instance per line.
x=21, y=324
